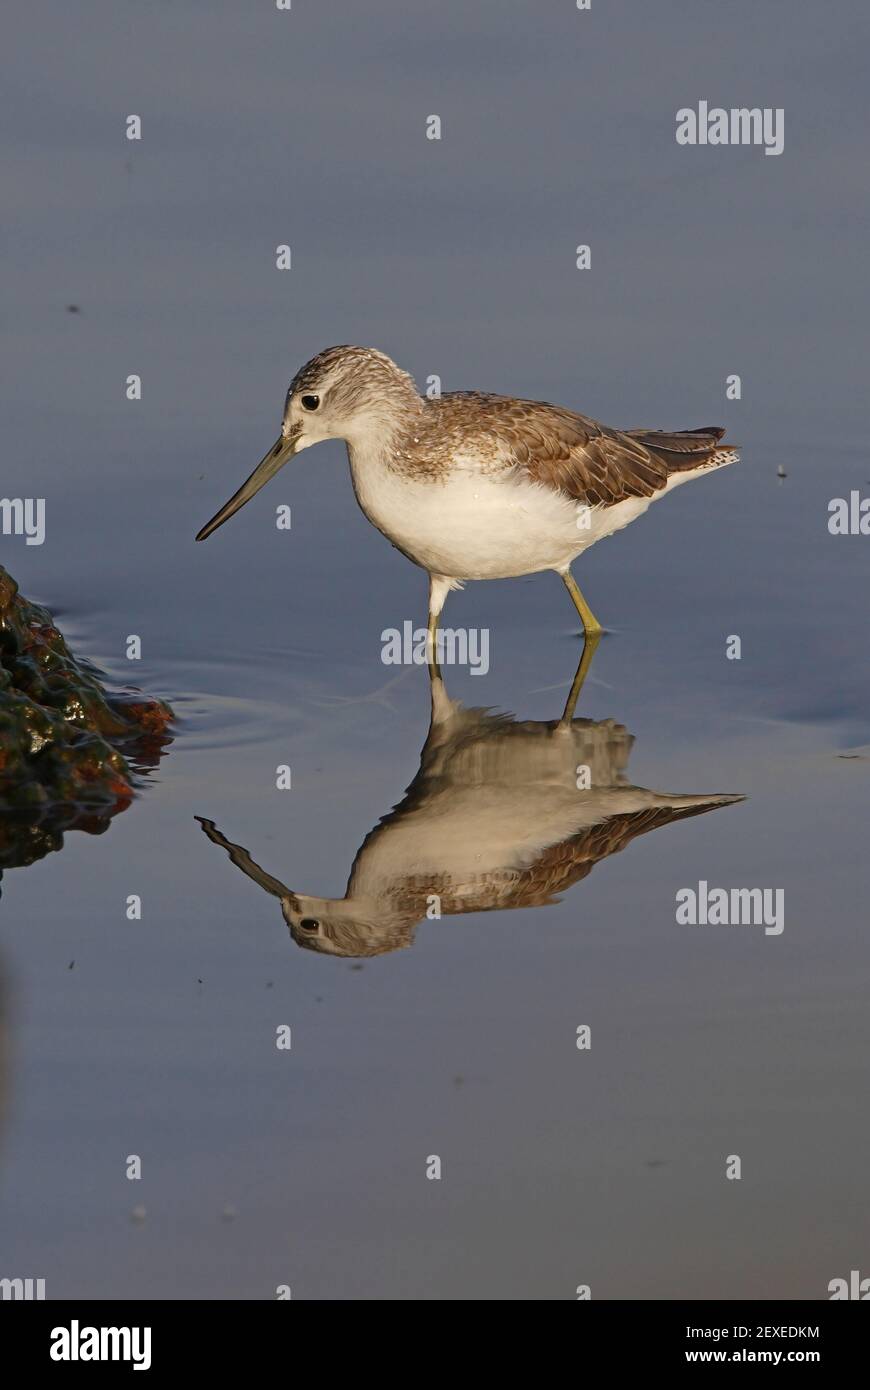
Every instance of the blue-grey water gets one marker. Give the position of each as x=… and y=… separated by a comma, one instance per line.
x=560, y=1167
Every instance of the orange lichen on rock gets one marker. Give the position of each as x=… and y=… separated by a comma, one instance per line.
x=61, y=731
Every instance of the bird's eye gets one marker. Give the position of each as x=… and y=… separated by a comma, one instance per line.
x=310, y=402
x=309, y=924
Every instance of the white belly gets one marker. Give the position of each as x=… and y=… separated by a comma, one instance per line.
x=477, y=527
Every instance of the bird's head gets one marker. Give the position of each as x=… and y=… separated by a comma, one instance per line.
x=342, y=927
x=349, y=393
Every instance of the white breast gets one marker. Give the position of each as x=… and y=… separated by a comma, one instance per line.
x=474, y=526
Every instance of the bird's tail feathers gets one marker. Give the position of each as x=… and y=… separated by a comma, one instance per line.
x=687, y=449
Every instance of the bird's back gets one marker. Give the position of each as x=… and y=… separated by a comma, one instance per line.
x=565, y=450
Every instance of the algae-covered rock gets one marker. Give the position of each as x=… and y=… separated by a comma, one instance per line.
x=63, y=736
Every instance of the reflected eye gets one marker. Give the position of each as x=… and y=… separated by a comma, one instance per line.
x=310, y=402
x=309, y=924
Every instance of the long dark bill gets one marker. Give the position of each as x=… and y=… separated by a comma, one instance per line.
x=277, y=456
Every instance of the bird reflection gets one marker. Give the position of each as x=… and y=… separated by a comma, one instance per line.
x=501, y=814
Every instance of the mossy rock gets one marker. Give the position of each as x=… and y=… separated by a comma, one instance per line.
x=63, y=735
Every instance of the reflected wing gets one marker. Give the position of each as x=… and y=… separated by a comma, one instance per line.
x=563, y=865
x=555, y=870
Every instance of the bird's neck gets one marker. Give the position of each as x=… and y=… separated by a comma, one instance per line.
x=386, y=422
x=384, y=438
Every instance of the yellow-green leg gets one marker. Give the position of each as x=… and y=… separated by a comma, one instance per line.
x=439, y=588
x=432, y=644
x=589, y=645
x=591, y=625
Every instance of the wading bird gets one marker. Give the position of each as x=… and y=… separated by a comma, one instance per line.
x=476, y=486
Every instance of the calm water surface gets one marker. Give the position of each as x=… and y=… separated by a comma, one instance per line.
x=307, y=1167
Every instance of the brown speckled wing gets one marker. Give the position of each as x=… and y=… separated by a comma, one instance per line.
x=572, y=453
x=556, y=870
x=563, y=865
